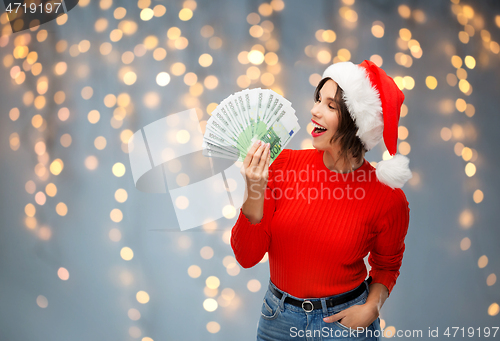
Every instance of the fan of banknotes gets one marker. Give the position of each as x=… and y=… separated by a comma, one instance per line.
x=247, y=116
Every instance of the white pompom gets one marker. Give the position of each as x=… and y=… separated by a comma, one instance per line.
x=394, y=172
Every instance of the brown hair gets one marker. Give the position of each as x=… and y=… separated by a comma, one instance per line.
x=347, y=129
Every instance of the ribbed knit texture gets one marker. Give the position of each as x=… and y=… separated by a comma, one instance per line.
x=316, y=242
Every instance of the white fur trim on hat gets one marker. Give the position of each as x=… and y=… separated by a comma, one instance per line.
x=362, y=100
x=394, y=172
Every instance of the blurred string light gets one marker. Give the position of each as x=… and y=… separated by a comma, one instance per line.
x=473, y=25
x=262, y=58
x=263, y=66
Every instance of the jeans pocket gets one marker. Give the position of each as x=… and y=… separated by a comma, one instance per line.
x=342, y=326
x=270, y=308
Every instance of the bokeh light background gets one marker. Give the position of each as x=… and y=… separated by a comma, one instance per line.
x=86, y=256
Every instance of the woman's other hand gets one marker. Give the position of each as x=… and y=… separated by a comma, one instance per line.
x=355, y=316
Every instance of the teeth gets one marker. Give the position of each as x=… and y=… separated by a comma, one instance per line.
x=317, y=126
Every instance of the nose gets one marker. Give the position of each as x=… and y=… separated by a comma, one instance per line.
x=314, y=111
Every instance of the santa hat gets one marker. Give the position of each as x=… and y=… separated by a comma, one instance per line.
x=374, y=103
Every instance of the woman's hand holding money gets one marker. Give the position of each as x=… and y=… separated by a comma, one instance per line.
x=255, y=170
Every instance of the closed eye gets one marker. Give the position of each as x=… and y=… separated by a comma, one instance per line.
x=319, y=100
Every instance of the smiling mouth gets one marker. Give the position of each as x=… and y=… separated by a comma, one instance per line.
x=318, y=130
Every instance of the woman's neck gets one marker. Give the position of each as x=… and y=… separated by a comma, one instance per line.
x=338, y=164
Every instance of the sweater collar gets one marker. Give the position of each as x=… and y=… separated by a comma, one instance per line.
x=319, y=157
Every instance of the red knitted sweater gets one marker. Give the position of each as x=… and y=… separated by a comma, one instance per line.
x=318, y=225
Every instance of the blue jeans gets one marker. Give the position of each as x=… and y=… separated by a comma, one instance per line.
x=280, y=321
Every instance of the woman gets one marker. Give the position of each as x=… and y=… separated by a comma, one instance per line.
x=319, y=212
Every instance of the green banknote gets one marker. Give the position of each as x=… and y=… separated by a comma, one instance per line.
x=246, y=116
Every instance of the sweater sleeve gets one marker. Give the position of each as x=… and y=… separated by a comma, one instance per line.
x=386, y=256
x=250, y=242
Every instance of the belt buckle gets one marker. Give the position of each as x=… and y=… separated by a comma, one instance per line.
x=312, y=306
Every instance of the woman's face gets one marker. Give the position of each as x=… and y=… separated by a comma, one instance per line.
x=324, y=113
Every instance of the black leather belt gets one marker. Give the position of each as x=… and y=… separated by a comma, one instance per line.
x=309, y=306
